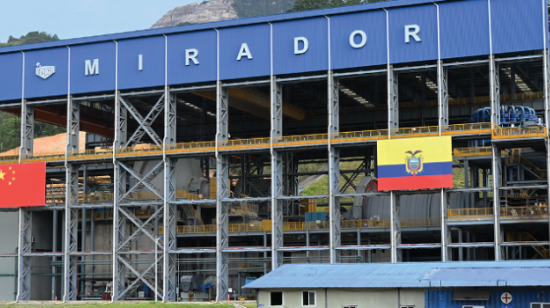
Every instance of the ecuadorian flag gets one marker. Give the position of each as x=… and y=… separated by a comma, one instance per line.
x=415, y=163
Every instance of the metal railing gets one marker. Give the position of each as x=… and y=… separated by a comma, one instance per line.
x=200, y=146
x=296, y=140
x=244, y=143
x=300, y=140
x=477, y=213
x=523, y=212
x=508, y=212
x=472, y=151
x=518, y=132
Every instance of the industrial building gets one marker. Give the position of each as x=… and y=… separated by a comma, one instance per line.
x=429, y=284
x=216, y=153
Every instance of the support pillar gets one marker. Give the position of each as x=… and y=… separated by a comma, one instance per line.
x=73, y=126
x=334, y=170
x=494, y=83
x=121, y=122
x=446, y=238
x=393, y=100
x=24, y=262
x=395, y=229
x=223, y=186
x=27, y=130
x=70, y=286
x=443, y=94
x=170, y=209
x=546, y=73
x=496, y=164
x=276, y=175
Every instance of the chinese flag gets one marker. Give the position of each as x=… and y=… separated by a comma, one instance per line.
x=23, y=185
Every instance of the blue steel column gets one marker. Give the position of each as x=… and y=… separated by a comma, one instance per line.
x=546, y=74
x=27, y=130
x=276, y=174
x=496, y=156
x=393, y=124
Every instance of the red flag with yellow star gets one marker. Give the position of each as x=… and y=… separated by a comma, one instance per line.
x=23, y=185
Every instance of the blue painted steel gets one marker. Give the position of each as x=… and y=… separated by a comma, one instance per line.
x=11, y=84
x=258, y=40
x=408, y=275
x=105, y=53
x=520, y=298
x=314, y=59
x=153, y=60
x=464, y=39
x=426, y=18
x=517, y=25
x=222, y=24
x=375, y=52
x=206, y=69
x=56, y=84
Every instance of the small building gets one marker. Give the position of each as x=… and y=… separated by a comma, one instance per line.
x=509, y=284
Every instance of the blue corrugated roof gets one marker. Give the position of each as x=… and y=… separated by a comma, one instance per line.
x=220, y=24
x=407, y=275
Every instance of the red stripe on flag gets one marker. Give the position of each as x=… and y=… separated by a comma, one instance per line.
x=22, y=185
x=416, y=182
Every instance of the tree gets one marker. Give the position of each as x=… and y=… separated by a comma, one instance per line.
x=30, y=38
x=253, y=8
x=306, y=5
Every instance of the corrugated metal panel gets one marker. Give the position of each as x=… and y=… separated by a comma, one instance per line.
x=464, y=28
x=57, y=83
x=258, y=40
x=222, y=24
x=520, y=299
x=426, y=18
x=403, y=275
x=152, y=51
x=105, y=53
x=375, y=50
x=11, y=84
x=314, y=59
x=206, y=43
x=516, y=25
x=490, y=276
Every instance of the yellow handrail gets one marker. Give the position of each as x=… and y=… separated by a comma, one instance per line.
x=518, y=132
x=518, y=212
x=300, y=139
x=244, y=143
x=476, y=213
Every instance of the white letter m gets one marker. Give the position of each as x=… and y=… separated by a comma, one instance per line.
x=92, y=68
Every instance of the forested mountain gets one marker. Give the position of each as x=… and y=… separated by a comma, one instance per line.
x=30, y=38
x=10, y=125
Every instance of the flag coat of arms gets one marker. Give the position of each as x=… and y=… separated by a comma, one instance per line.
x=416, y=163
x=23, y=185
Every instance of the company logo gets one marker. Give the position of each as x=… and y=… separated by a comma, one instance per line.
x=414, y=164
x=44, y=72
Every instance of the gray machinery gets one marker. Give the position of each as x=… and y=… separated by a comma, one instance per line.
x=190, y=283
x=414, y=205
x=189, y=175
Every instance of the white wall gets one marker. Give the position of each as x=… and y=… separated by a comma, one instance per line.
x=8, y=243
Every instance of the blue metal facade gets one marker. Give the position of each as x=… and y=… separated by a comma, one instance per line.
x=448, y=29
x=520, y=299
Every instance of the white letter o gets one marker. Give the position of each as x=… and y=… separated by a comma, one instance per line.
x=363, y=39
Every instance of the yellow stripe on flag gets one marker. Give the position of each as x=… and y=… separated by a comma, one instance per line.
x=434, y=150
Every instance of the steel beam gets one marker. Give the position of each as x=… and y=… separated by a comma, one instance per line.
x=70, y=286
x=145, y=123
x=119, y=234
x=170, y=235
x=27, y=130
x=334, y=169
x=497, y=172
x=24, y=263
x=121, y=122
x=73, y=125
x=494, y=84
x=393, y=99
x=445, y=229
x=223, y=186
x=442, y=94
x=546, y=74
x=395, y=228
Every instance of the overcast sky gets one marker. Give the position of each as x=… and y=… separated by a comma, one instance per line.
x=78, y=18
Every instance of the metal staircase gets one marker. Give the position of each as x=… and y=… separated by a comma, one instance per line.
x=541, y=251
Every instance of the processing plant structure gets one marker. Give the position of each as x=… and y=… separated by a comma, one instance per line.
x=216, y=153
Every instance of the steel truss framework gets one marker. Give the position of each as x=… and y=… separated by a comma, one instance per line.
x=127, y=276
